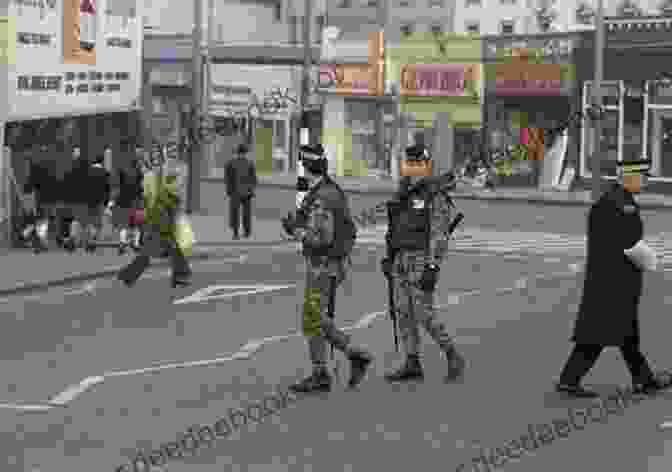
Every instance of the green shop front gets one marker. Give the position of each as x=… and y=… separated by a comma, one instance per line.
x=438, y=80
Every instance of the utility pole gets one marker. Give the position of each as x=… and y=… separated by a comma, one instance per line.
x=596, y=158
x=381, y=17
x=193, y=187
x=304, y=132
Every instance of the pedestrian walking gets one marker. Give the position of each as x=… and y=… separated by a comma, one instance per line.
x=41, y=183
x=241, y=181
x=76, y=200
x=608, y=313
x=325, y=228
x=161, y=212
x=97, y=198
x=127, y=203
x=420, y=220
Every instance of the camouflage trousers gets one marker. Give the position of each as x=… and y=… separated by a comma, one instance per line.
x=323, y=277
x=415, y=307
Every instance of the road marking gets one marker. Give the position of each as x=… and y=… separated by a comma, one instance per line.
x=22, y=407
x=204, y=294
x=73, y=391
x=246, y=352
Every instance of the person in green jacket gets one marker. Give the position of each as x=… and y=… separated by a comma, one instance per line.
x=162, y=205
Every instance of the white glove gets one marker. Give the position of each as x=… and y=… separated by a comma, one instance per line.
x=643, y=256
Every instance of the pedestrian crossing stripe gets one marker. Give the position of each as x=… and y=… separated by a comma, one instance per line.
x=483, y=240
x=218, y=292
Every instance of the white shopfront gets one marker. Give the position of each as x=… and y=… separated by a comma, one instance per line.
x=622, y=139
x=68, y=58
x=260, y=95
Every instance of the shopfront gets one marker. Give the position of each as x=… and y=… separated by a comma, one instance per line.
x=637, y=102
x=352, y=84
x=64, y=89
x=531, y=86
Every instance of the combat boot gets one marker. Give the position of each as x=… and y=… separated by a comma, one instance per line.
x=456, y=366
x=359, y=363
x=318, y=381
x=410, y=370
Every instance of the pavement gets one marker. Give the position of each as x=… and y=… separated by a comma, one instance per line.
x=91, y=379
x=534, y=195
x=24, y=271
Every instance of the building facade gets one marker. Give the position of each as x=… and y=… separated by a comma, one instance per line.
x=638, y=97
x=243, y=96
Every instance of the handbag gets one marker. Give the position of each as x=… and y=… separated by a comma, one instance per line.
x=184, y=234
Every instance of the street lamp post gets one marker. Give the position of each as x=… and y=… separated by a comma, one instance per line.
x=596, y=158
x=197, y=111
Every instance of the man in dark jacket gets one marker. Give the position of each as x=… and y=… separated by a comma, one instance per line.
x=43, y=184
x=97, y=198
x=241, y=180
x=76, y=199
x=608, y=313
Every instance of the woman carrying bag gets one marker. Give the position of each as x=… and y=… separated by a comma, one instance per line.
x=164, y=229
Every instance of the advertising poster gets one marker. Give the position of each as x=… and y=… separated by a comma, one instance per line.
x=74, y=57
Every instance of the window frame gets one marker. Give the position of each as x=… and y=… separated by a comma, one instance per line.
x=510, y=22
x=469, y=23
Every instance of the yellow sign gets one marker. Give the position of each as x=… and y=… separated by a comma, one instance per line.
x=7, y=40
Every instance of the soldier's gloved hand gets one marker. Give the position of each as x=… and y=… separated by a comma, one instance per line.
x=429, y=278
x=289, y=224
x=386, y=267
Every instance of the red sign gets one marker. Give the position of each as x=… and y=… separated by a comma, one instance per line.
x=437, y=80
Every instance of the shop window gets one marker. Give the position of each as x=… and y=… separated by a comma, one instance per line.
x=407, y=29
x=345, y=3
x=436, y=3
x=280, y=137
x=472, y=3
x=507, y=26
x=220, y=32
x=277, y=12
x=371, y=3
x=404, y=3
x=436, y=30
x=472, y=27
x=320, y=22
x=293, y=29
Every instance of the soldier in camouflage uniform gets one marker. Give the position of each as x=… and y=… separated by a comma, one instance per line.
x=324, y=226
x=421, y=214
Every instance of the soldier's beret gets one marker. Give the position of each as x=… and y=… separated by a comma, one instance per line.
x=635, y=166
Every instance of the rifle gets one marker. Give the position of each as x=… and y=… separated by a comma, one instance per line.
x=393, y=311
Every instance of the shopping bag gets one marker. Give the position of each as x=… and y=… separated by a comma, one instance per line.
x=643, y=256
x=184, y=234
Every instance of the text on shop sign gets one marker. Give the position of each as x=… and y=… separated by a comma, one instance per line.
x=441, y=80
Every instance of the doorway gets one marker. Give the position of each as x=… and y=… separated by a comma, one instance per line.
x=660, y=142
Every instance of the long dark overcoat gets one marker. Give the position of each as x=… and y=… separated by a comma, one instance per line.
x=608, y=313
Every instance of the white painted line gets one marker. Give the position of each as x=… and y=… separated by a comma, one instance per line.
x=73, y=391
x=158, y=368
x=666, y=425
x=21, y=407
x=251, y=347
x=203, y=294
x=367, y=319
x=521, y=284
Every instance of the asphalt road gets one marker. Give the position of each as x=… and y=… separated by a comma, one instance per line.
x=511, y=316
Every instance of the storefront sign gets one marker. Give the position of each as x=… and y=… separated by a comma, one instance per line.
x=7, y=40
x=74, y=57
x=519, y=77
x=357, y=79
x=439, y=80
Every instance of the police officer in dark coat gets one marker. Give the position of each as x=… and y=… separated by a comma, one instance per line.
x=616, y=258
